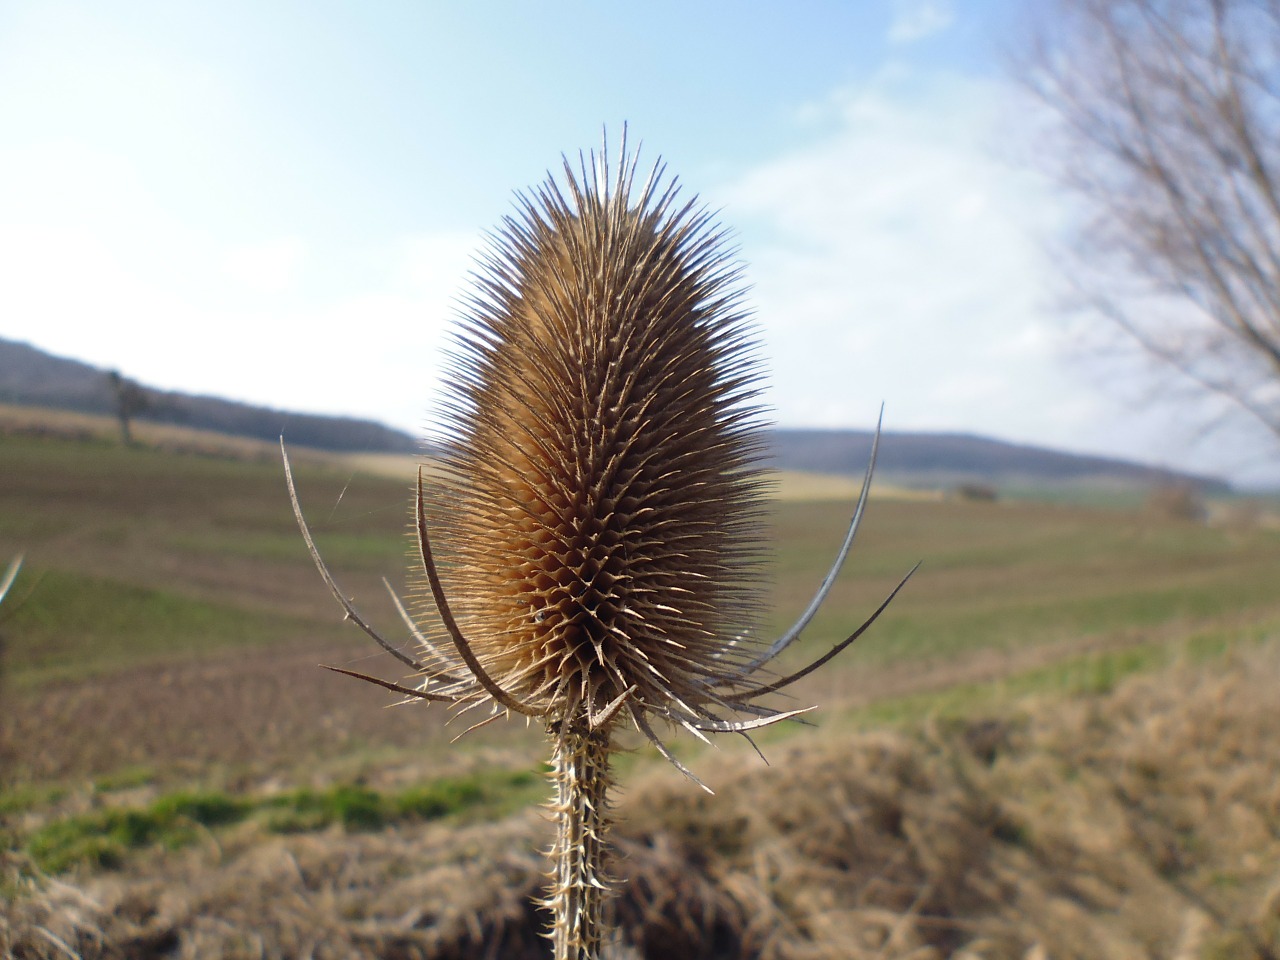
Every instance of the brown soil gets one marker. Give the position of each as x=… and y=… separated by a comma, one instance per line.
x=258, y=713
x=244, y=716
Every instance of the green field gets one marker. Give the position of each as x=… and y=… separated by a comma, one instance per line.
x=142, y=563
x=161, y=647
x=135, y=555
x=138, y=555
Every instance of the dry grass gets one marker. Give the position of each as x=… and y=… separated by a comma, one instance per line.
x=1136, y=824
x=797, y=485
x=1140, y=824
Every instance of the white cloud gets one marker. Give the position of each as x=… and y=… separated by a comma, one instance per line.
x=269, y=267
x=67, y=288
x=916, y=19
x=895, y=259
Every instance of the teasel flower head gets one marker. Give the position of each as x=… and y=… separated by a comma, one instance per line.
x=593, y=547
x=602, y=502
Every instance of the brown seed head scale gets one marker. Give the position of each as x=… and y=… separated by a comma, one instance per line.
x=599, y=518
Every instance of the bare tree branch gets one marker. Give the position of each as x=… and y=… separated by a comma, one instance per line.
x=1169, y=129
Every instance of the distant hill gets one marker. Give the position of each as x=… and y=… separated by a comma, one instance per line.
x=950, y=459
x=32, y=377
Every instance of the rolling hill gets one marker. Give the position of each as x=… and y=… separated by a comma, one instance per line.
x=951, y=459
x=31, y=377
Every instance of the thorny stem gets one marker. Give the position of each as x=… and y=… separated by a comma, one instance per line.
x=579, y=886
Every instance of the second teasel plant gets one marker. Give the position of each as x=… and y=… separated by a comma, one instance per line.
x=592, y=549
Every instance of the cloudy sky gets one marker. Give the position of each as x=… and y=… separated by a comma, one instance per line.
x=279, y=202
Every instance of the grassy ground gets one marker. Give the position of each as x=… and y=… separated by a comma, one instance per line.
x=176, y=585
x=161, y=697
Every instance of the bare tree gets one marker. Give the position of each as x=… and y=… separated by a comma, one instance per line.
x=130, y=400
x=1168, y=127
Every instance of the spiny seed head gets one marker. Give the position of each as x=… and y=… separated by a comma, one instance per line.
x=599, y=518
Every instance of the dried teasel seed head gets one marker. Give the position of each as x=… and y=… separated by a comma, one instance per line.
x=599, y=520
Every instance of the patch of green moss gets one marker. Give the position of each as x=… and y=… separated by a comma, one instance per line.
x=23, y=797
x=354, y=807
x=103, y=838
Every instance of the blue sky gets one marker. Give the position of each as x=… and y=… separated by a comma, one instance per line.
x=279, y=202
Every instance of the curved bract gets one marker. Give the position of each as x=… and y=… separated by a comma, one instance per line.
x=10, y=575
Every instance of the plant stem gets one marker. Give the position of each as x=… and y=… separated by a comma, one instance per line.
x=579, y=885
